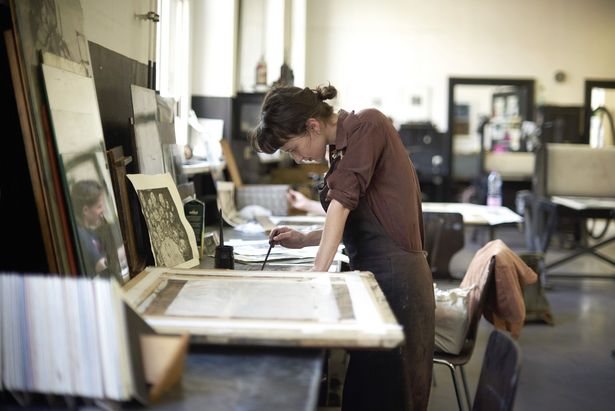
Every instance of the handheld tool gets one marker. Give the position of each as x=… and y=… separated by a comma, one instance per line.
x=267, y=256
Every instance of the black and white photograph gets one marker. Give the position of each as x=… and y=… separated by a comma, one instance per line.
x=172, y=239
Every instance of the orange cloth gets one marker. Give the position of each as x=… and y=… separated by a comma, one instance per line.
x=505, y=308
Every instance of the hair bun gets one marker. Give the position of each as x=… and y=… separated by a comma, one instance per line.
x=325, y=92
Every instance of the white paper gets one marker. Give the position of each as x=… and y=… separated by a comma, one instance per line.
x=476, y=213
x=308, y=299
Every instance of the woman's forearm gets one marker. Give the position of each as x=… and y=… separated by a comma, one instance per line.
x=313, y=238
x=331, y=235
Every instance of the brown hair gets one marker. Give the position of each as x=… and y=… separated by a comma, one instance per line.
x=85, y=193
x=285, y=111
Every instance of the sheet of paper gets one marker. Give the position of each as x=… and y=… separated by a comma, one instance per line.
x=306, y=299
x=476, y=213
x=256, y=250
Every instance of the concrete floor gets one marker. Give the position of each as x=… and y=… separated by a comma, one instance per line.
x=567, y=366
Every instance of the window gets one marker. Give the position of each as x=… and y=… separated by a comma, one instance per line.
x=173, y=60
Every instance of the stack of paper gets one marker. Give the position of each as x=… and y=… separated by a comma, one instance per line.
x=64, y=336
x=254, y=251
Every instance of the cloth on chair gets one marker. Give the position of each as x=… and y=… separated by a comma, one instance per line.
x=452, y=319
x=505, y=307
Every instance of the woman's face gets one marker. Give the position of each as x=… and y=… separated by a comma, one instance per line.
x=307, y=147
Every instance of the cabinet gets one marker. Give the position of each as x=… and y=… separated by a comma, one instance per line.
x=429, y=151
x=255, y=168
x=246, y=115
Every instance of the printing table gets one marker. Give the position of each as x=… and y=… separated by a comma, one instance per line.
x=542, y=214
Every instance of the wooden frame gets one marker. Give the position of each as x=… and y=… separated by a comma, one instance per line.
x=306, y=309
x=117, y=169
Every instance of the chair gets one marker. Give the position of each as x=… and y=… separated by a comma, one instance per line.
x=499, y=374
x=444, y=236
x=475, y=310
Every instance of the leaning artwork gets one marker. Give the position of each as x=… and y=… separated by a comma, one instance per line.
x=172, y=239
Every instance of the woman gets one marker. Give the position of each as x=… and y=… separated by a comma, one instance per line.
x=372, y=198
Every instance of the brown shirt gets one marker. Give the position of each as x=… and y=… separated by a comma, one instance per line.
x=375, y=165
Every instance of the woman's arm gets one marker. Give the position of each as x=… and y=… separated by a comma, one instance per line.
x=290, y=238
x=331, y=235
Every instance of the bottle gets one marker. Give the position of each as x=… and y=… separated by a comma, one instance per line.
x=261, y=72
x=494, y=189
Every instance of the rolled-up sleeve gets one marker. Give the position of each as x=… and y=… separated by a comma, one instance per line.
x=354, y=172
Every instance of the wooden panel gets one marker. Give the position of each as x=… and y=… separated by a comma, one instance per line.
x=20, y=192
x=113, y=75
x=117, y=169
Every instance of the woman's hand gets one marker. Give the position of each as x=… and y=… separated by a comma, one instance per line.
x=287, y=237
x=297, y=200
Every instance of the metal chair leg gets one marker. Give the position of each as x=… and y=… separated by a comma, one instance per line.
x=451, y=367
x=456, y=385
x=465, y=387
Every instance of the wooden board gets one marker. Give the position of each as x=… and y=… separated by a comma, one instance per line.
x=304, y=309
x=148, y=147
x=231, y=164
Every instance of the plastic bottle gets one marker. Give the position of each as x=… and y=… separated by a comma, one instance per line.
x=494, y=189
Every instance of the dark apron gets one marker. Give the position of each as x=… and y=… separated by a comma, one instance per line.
x=398, y=379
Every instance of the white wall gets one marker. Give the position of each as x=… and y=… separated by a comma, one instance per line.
x=214, y=34
x=114, y=24
x=252, y=39
x=274, y=29
x=380, y=53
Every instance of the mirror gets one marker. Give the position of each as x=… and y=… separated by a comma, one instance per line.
x=599, y=112
x=490, y=116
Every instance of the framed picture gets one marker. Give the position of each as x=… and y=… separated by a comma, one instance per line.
x=171, y=236
x=307, y=309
